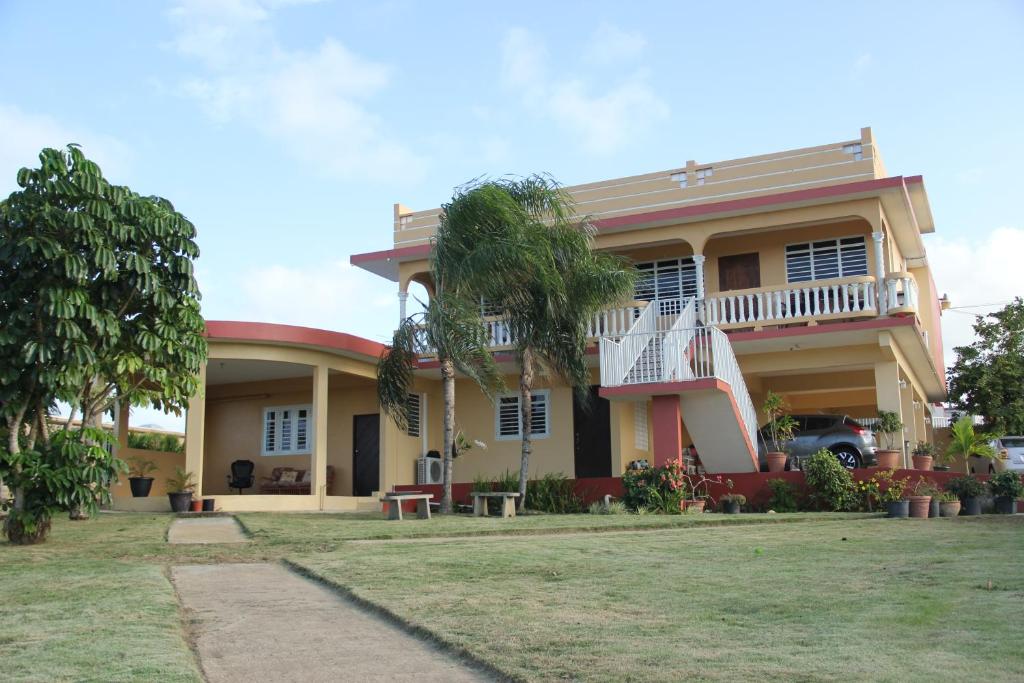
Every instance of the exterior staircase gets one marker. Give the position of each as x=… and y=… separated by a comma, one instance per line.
x=697, y=364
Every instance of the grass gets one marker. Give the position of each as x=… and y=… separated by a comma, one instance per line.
x=706, y=597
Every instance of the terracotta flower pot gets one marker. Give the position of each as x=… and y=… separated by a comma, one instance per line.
x=922, y=462
x=694, y=505
x=949, y=509
x=919, y=506
x=888, y=459
x=197, y=505
x=776, y=461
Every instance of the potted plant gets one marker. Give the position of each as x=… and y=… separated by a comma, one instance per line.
x=921, y=499
x=780, y=428
x=696, y=491
x=179, y=489
x=732, y=503
x=969, y=490
x=1007, y=487
x=888, y=427
x=891, y=493
x=949, y=504
x=923, y=456
x=138, y=479
x=964, y=442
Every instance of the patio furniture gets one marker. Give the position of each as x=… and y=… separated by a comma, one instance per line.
x=394, y=500
x=241, y=476
x=508, y=502
x=292, y=481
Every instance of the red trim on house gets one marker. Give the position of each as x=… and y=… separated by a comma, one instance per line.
x=499, y=357
x=874, y=323
x=663, y=388
x=234, y=330
x=829, y=191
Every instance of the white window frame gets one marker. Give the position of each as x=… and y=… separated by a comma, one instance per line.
x=545, y=393
x=685, y=280
x=294, y=431
x=839, y=257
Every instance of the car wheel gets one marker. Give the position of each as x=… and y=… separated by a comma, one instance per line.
x=847, y=457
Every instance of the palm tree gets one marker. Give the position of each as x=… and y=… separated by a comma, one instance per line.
x=965, y=442
x=519, y=245
x=451, y=327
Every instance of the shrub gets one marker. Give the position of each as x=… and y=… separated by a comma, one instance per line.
x=965, y=486
x=783, y=497
x=1006, y=484
x=552, y=493
x=891, y=487
x=614, y=507
x=888, y=426
x=658, y=489
x=830, y=483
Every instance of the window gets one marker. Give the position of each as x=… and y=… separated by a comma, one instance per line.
x=507, y=422
x=670, y=282
x=414, y=405
x=856, y=150
x=286, y=430
x=640, y=436
x=680, y=178
x=826, y=259
x=704, y=173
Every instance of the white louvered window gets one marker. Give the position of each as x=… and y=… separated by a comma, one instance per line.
x=508, y=423
x=414, y=405
x=641, y=439
x=286, y=430
x=826, y=259
x=670, y=282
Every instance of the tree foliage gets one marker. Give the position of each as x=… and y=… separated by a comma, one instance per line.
x=988, y=375
x=99, y=304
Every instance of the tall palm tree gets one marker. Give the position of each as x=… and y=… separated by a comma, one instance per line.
x=451, y=327
x=519, y=244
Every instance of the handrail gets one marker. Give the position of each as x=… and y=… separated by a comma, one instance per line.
x=850, y=296
x=901, y=291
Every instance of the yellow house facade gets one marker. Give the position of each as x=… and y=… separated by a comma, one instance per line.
x=803, y=272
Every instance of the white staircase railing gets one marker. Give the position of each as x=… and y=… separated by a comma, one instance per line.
x=727, y=369
x=619, y=357
x=673, y=347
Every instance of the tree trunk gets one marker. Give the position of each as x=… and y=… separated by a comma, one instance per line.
x=448, y=387
x=526, y=412
x=77, y=512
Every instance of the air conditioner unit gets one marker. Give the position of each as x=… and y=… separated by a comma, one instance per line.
x=428, y=470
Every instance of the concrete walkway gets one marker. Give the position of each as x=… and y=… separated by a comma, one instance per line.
x=206, y=530
x=263, y=622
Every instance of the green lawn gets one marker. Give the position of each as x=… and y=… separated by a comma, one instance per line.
x=714, y=597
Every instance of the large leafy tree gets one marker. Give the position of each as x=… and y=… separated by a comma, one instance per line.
x=99, y=305
x=519, y=244
x=450, y=327
x=988, y=375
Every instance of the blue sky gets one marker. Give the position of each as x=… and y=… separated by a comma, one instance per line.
x=285, y=130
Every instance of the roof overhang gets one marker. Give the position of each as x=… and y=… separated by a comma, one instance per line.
x=337, y=343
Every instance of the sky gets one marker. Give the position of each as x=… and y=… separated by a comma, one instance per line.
x=287, y=129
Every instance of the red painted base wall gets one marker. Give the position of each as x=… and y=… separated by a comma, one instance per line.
x=753, y=485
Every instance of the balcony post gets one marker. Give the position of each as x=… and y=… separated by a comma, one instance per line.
x=698, y=261
x=403, y=297
x=880, y=288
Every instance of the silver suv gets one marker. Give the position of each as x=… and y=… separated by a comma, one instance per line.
x=853, y=444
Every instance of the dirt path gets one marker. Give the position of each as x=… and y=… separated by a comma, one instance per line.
x=206, y=530
x=264, y=622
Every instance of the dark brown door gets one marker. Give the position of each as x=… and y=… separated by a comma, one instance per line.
x=592, y=436
x=365, y=454
x=740, y=271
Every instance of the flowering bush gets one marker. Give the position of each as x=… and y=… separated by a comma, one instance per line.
x=659, y=489
x=891, y=488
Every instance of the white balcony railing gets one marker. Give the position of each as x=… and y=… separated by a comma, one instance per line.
x=619, y=355
x=900, y=293
x=844, y=297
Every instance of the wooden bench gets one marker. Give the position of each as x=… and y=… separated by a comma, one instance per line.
x=394, y=499
x=508, y=502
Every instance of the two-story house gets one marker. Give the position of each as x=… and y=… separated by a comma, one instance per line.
x=802, y=272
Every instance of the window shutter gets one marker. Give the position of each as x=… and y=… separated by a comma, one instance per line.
x=270, y=431
x=286, y=431
x=539, y=414
x=302, y=430
x=640, y=436
x=508, y=416
x=826, y=259
x=670, y=282
x=413, y=405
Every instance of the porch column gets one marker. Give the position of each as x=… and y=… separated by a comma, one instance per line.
x=888, y=396
x=319, y=464
x=195, y=425
x=698, y=262
x=668, y=429
x=879, y=238
x=122, y=413
x=403, y=297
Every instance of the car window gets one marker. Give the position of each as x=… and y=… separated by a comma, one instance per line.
x=1012, y=441
x=817, y=423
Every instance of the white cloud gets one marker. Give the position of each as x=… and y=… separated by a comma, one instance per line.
x=603, y=121
x=610, y=44
x=314, y=103
x=24, y=135
x=330, y=295
x=983, y=270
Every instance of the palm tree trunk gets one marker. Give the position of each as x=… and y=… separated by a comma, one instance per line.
x=448, y=387
x=526, y=411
